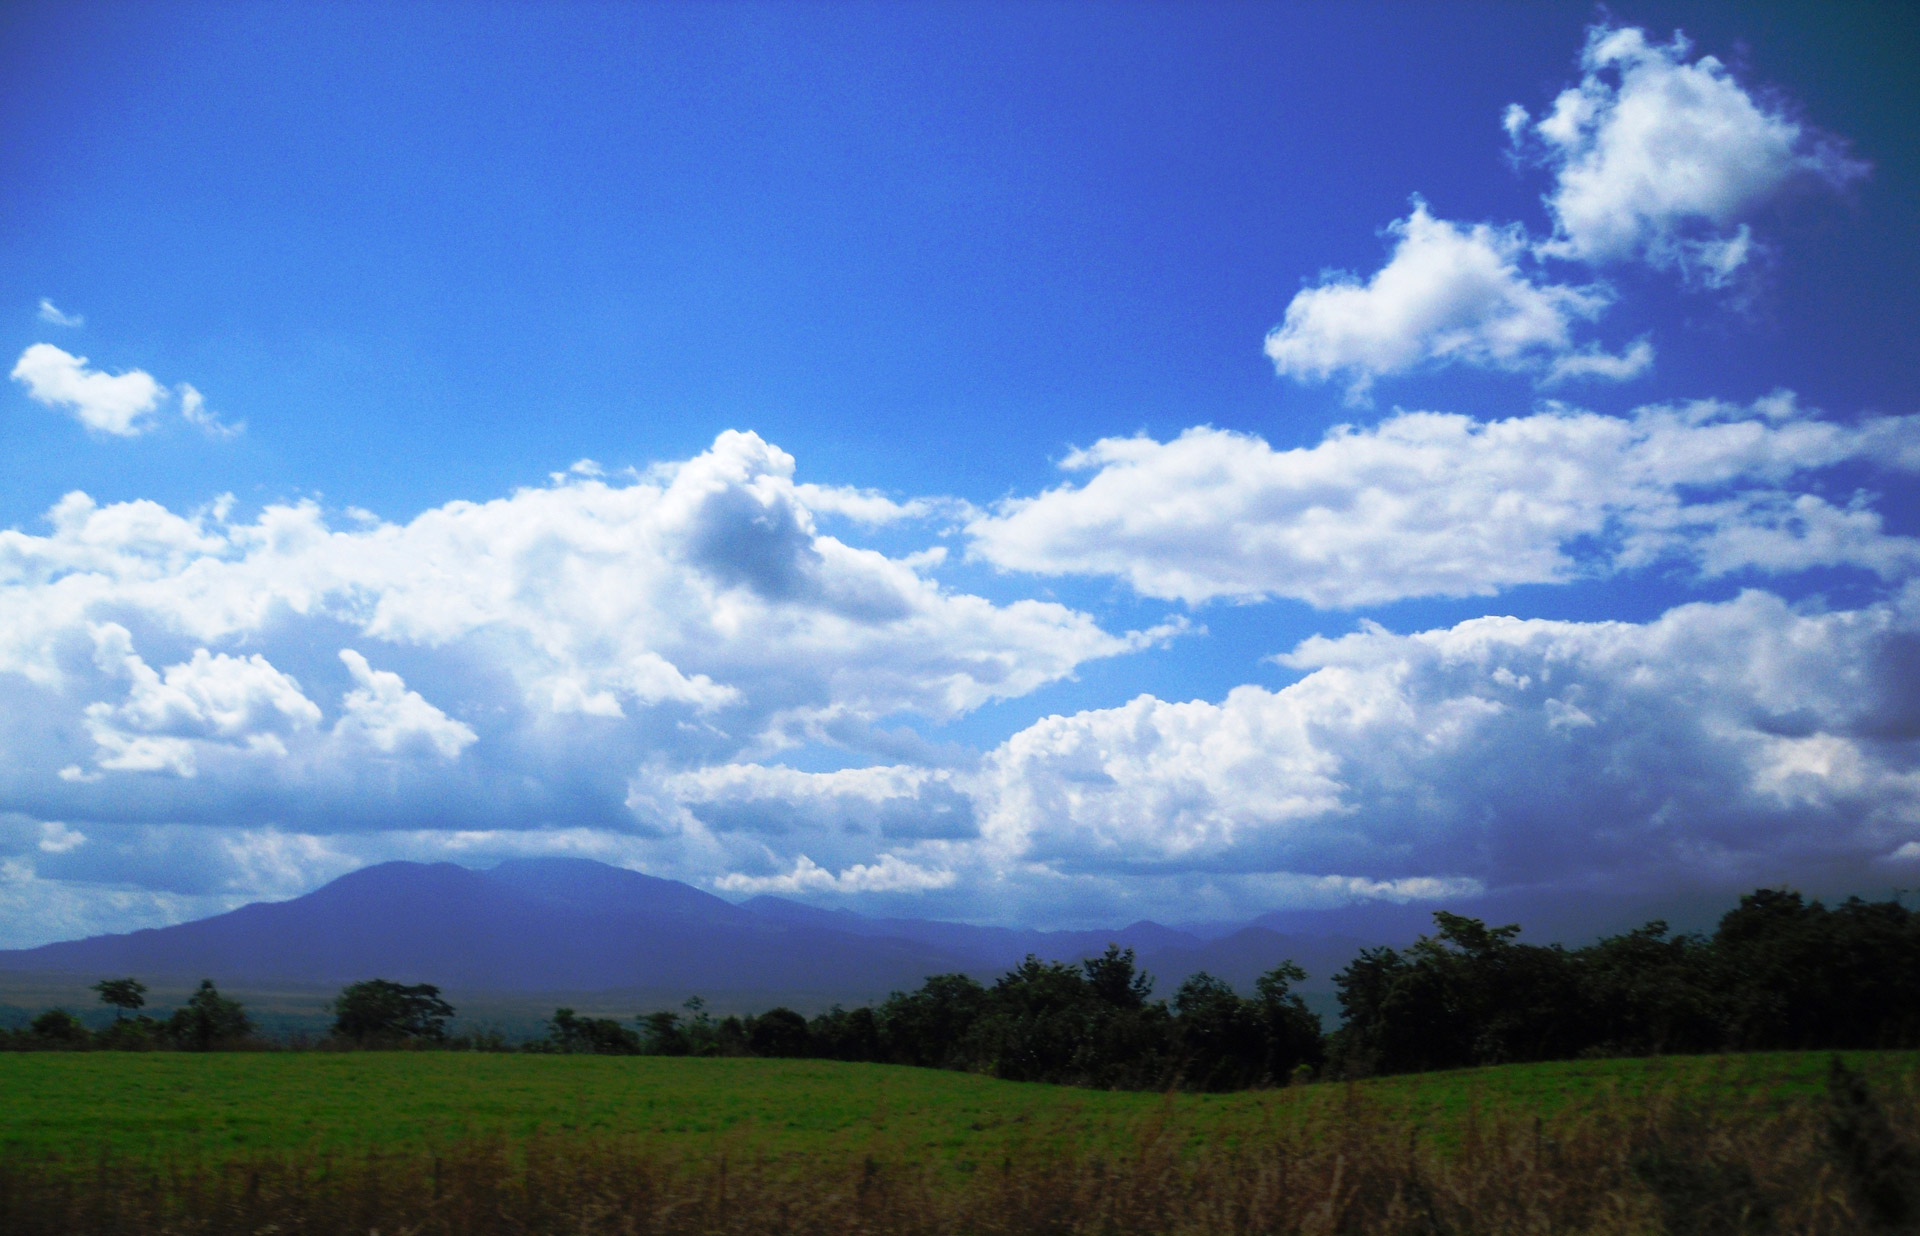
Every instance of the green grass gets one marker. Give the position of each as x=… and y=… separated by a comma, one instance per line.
x=177, y=1105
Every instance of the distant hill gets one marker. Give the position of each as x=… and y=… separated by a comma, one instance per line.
x=1239, y=956
x=559, y=924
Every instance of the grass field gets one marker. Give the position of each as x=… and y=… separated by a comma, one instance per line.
x=455, y=1144
x=217, y=1105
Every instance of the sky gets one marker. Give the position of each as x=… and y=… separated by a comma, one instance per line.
x=1023, y=463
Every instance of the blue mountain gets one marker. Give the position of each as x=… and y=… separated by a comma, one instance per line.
x=574, y=925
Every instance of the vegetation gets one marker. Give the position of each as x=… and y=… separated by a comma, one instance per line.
x=125, y=995
x=383, y=1013
x=420, y=1142
x=208, y=1021
x=1779, y=972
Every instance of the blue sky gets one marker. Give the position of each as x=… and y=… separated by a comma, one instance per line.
x=962, y=389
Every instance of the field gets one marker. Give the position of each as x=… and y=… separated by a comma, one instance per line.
x=456, y=1142
x=224, y=1104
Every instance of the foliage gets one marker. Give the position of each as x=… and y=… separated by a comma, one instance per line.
x=208, y=1020
x=58, y=1028
x=600, y=1036
x=379, y=1011
x=124, y=994
x=1779, y=972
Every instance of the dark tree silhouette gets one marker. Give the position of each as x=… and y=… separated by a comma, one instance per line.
x=58, y=1028
x=209, y=1020
x=603, y=1036
x=381, y=1011
x=125, y=995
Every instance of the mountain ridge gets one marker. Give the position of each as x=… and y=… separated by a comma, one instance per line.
x=546, y=924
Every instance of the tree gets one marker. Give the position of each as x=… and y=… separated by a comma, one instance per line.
x=59, y=1028
x=1293, y=1033
x=932, y=1027
x=1115, y=980
x=208, y=1020
x=779, y=1032
x=602, y=1036
x=663, y=1036
x=124, y=995
x=1223, y=1041
x=381, y=1011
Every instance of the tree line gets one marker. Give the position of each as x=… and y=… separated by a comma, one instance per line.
x=1778, y=972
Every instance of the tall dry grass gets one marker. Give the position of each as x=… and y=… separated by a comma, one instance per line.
x=1844, y=1164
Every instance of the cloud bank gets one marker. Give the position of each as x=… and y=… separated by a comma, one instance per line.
x=1438, y=504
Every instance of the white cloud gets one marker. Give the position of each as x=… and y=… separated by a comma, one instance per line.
x=1447, y=293
x=564, y=636
x=50, y=313
x=393, y=720
x=887, y=874
x=1720, y=744
x=1658, y=158
x=1430, y=504
x=241, y=702
x=194, y=410
x=1717, y=746
x=118, y=404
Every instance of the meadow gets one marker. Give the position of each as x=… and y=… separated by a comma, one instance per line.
x=471, y=1143
x=222, y=1104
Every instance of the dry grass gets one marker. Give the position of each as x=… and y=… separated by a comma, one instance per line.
x=1843, y=1164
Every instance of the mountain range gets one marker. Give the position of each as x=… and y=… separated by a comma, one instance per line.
x=573, y=925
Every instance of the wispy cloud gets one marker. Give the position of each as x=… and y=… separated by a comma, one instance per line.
x=194, y=410
x=50, y=313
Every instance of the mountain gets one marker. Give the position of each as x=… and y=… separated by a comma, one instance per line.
x=526, y=925
x=573, y=925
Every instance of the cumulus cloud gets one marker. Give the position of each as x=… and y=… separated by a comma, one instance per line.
x=1660, y=158
x=551, y=642
x=243, y=702
x=50, y=313
x=1654, y=158
x=1719, y=745
x=1447, y=293
x=393, y=720
x=119, y=404
x=1432, y=504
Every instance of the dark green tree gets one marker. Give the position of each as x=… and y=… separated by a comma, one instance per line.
x=661, y=1035
x=1294, y=1037
x=838, y=1034
x=58, y=1028
x=1115, y=979
x=209, y=1020
x=125, y=995
x=1222, y=1037
x=933, y=1027
x=568, y=1032
x=380, y=1011
x=779, y=1032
